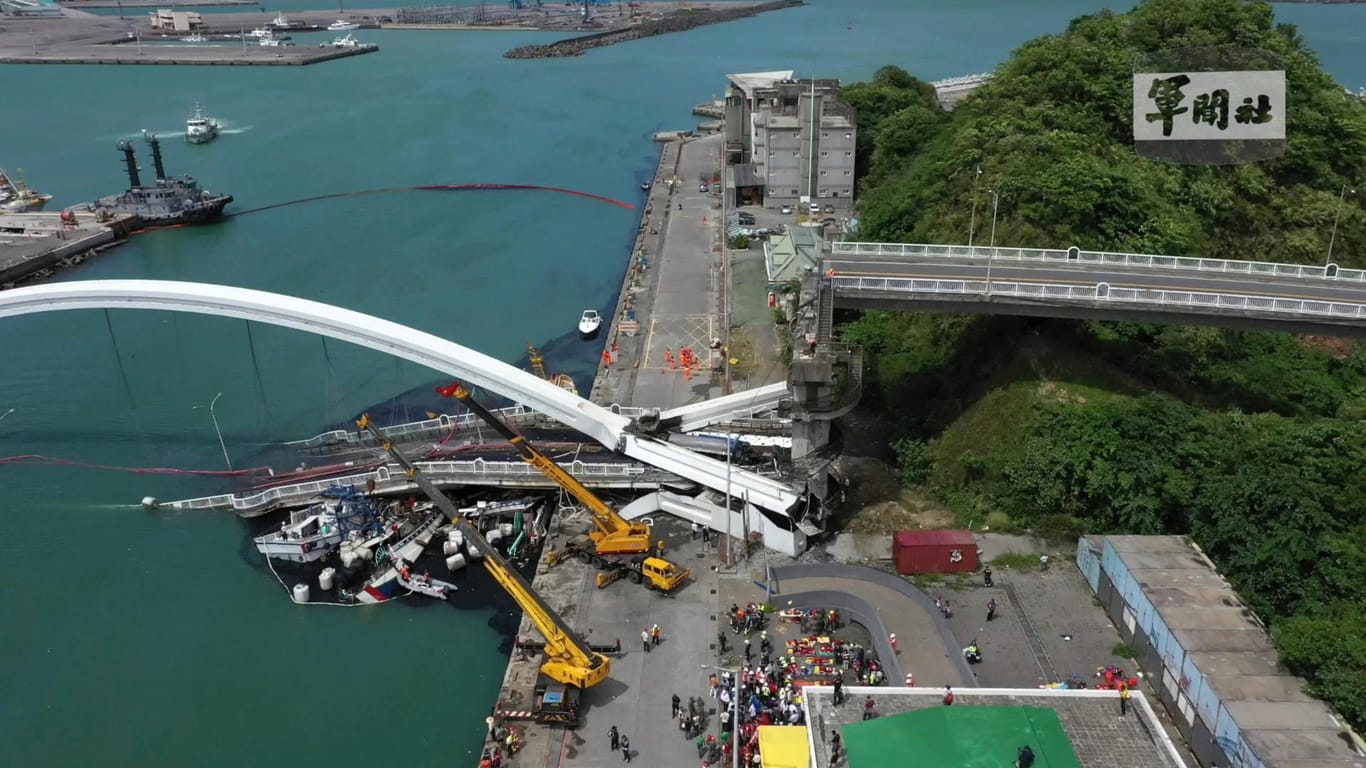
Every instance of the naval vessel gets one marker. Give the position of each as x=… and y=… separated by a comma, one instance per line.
x=171, y=200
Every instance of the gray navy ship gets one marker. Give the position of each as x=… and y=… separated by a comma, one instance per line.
x=171, y=200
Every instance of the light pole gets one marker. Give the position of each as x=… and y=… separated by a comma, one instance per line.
x=972, y=223
x=735, y=713
x=219, y=432
x=1346, y=190
x=991, y=255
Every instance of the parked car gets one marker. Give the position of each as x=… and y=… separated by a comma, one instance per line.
x=744, y=218
x=702, y=188
x=829, y=208
x=785, y=210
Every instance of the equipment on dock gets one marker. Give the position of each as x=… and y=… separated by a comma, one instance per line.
x=562, y=380
x=570, y=662
x=611, y=535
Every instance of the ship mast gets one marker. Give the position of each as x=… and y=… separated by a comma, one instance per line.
x=131, y=161
x=156, y=154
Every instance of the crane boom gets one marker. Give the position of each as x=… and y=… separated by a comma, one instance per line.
x=570, y=660
x=612, y=534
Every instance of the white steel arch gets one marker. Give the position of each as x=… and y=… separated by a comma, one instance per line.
x=407, y=343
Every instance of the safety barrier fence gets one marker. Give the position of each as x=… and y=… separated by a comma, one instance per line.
x=1102, y=293
x=441, y=423
x=391, y=477
x=1077, y=257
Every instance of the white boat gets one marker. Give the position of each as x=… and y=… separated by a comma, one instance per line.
x=345, y=41
x=280, y=22
x=16, y=197
x=200, y=128
x=261, y=32
x=271, y=41
x=308, y=536
x=194, y=38
x=589, y=323
x=341, y=25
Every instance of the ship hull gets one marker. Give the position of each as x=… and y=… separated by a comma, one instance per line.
x=201, y=212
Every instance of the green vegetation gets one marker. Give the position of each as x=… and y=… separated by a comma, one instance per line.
x=1123, y=651
x=1252, y=443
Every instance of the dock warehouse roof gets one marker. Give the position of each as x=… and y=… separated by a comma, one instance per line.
x=748, y=83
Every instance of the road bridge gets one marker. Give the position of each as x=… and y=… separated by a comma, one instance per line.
x=779, y=501
x=1099, y=285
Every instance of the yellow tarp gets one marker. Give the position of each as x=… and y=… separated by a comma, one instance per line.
x=784, y=746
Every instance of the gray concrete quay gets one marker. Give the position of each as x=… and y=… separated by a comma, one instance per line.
x=31, y=243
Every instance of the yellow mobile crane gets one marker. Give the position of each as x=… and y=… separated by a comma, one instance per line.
x=611, y=535
x=569, y=659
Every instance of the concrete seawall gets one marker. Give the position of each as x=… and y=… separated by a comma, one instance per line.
x=639, y=277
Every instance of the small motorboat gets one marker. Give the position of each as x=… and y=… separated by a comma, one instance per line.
x=341, y=25
x=645, y=187
x=345, y=41
x=194, y=38
x=589, y=323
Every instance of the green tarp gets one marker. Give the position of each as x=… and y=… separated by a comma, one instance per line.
x=960, y=737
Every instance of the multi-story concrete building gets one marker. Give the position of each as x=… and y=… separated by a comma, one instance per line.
x=789, y=142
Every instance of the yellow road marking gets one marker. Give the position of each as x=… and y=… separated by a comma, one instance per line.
x=1147, y=286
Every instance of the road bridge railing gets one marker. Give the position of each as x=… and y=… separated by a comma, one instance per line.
x=413, y=429
x=1102, y=294
x=1081, y=258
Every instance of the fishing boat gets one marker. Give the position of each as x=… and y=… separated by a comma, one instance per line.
x=16, y=197
x=589, y=323
x=385, y=583
x=341, y=25
x=199, y=128
x=345, y=41
x=313, y=533
x=645, y=186
x=194, y=37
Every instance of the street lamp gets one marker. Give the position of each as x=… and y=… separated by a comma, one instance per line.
x=1346, y=190
x=972, y=223
x=991, y=255
x=219, y=432
x=735, y=712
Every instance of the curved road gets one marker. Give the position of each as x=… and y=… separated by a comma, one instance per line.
x=1163, y=279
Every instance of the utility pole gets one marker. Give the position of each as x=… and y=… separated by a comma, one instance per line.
x=972, y=224
x=991, y=255
x=1346, y=190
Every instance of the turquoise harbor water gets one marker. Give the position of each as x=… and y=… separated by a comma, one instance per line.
x=132, y=638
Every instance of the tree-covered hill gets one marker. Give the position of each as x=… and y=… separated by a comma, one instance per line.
x=1253, y=443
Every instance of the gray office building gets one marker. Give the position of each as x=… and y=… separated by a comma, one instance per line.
x=789, y=141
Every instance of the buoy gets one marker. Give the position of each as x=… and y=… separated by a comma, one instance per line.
x=326, y=578
x=449, y=547
x=474, y=552
x=301, y=593
x=149, y=502
x=456, y=536
x=455, y=562
x=348, y=558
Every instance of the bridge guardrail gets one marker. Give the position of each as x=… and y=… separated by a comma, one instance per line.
x=1077, y=256
x=399, y=431
x=1101, y=293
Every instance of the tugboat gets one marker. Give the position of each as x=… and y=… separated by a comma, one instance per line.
x=17, y=197
x=171, y=200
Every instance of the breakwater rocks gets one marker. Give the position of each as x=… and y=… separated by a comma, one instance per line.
x=678, y=21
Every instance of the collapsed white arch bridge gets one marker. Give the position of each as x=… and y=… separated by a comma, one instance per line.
x=778, y=501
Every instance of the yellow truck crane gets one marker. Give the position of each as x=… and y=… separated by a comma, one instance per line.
x=611, y=535
x=571, y=665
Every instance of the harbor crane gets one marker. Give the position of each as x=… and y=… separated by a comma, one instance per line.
x=611, y=535
x=569, y=659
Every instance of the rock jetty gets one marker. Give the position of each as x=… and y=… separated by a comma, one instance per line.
x=678, y=21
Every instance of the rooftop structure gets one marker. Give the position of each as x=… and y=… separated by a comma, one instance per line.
x=1216, y=670
x=1080, y=728
x=792, y=256
x=31, y=8
x=179, y=21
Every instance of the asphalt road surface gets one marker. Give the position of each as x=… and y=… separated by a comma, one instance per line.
x=1117, y=277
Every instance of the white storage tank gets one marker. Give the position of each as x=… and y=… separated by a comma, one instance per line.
x=505, y=529
x=326, y=578
x=449, y=547
x=301, y=593
x=456, y=536
x=494, y=536
x=474, y=552
x=455, y=562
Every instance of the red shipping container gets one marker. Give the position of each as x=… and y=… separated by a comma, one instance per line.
x=934, y=552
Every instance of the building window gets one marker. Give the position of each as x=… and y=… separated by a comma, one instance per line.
x=848, y=135
x=848, y=154
x=825, y=134
x=771, y=153
x=825, y=154
x=822, y=194
x=796, y=154
x=822, y=173
x=795, y=192
x=847, y=173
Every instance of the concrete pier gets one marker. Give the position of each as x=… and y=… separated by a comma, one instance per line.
x=31, y=243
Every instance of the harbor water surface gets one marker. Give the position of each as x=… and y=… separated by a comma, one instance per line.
x=137, y=638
